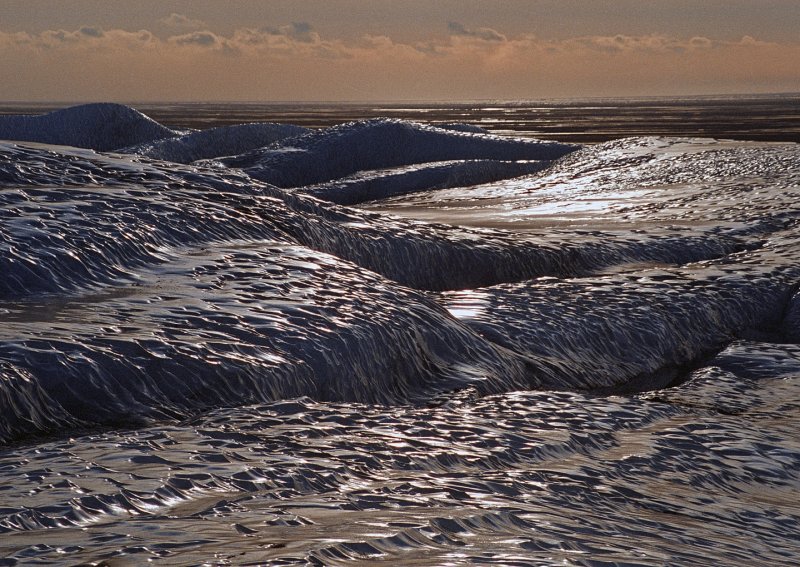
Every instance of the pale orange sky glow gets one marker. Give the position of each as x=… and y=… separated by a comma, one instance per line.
x=471, y=50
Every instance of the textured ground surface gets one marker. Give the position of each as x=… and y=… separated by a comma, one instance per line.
x=198, y=367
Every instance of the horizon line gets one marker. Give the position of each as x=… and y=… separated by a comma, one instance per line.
x=417, y=100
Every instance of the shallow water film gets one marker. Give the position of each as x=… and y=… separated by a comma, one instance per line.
x=394, y=342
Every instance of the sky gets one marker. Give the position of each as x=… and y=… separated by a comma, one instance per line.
x=361, y=50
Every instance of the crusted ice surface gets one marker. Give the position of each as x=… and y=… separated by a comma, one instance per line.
x=378, y=144
x=640, y=330
x=702, y=474
x=227, y=324
x=215, y=142
x=87, y=228
x=66, y=212
x=461, y=127
x=98, y=126
x=374, y=185
x=305, y=405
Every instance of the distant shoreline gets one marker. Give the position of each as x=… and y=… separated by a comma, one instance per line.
x=756, y=117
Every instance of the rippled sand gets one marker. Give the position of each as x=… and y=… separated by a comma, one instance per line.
x=599, y=365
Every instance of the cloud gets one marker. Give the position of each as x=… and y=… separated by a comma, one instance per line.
x=302, y=32
x=293, y=61
x=653, y=43
x=91, y=31
x=205, y=40
x=700, y=43
x=485, y=34
x=180, y=21
x=83, y=39
x=298, y=39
